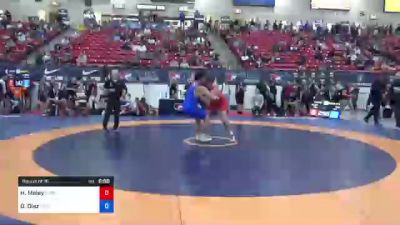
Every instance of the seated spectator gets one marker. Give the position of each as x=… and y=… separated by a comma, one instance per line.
x=128, y=107
x=144, y=108
x=126, y=46
x=81, y=100
x=135, y=47
x=82, y=59
x=151, y=41
x=147, y=31
x=258, y=103
x=140, y=107
x=20, y=25
x=174, y=63
x=65, y=41
x=21, y=37
x=56, y=98
x=46, y=57
x=184, y=64
x=10, y=45
x=194, y=60
x=142, y=48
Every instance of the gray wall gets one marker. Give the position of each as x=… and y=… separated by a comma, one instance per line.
x=21, y=9
x=291, y=10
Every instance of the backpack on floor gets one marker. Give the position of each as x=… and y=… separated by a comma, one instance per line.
x=387, y=113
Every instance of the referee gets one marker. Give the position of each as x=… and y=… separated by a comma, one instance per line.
x=114, y=89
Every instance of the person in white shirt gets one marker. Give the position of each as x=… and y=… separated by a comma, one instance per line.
x=46, y=57
x=147, y=31
x=258, y=102
x=142, y=48
x=357, y=51
x=21, y=37
x=20, y=25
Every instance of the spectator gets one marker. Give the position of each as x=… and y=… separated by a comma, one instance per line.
x=19, y=25
x=354, y=96
x=394, y=94
x=147, y=31
x=82, y=59
x=126, y=46
x=262, y=89
x=182, y=20
x=10, y=45
x=239, y=96
x=2, y=95
x=174, y=63
x=39, y=58
x=21, y=37
x=140, y=108
x=146, y=108
x=173, y=89
x=266, y=25
x=184, y=64
x=275, y=26
x=375, y=97
x=46, y=57
x=142, y=48
x=258, y=103
x=65, y=41
x=8, y=16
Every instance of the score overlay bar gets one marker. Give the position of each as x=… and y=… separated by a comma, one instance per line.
x=65, y=194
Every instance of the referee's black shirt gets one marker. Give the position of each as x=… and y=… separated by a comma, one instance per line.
x=115, y=89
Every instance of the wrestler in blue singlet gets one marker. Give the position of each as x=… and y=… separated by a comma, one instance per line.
x=192, y=105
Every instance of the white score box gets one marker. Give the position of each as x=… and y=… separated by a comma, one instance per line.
x=65, y=195
x=58, y=200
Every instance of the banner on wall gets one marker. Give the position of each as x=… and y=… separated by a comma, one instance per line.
x=136, y=75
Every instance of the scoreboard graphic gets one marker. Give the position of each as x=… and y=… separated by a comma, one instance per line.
x=325, y=109
x=66, y=195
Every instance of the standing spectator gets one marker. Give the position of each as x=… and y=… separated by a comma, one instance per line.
x=262, y=89
x=173, y=89
x=8, y=16
x=266, y=25
x=2, y=94
x=275, y=26
x=239, y=96
x=346, y=98
x=355, y=91
x=182, y=20
x=375, y=97
x=394, y=94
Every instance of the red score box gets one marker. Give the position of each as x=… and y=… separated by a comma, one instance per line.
x=106, y=193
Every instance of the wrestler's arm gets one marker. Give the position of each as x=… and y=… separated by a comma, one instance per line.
x=205, y=95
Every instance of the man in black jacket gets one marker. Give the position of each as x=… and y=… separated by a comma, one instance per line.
x=114, y=88
x=376, y=98
x=394, y=94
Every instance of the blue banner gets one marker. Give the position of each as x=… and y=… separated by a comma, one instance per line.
x=182, y=76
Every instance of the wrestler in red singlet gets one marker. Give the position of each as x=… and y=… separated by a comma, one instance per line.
x=220, y=105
